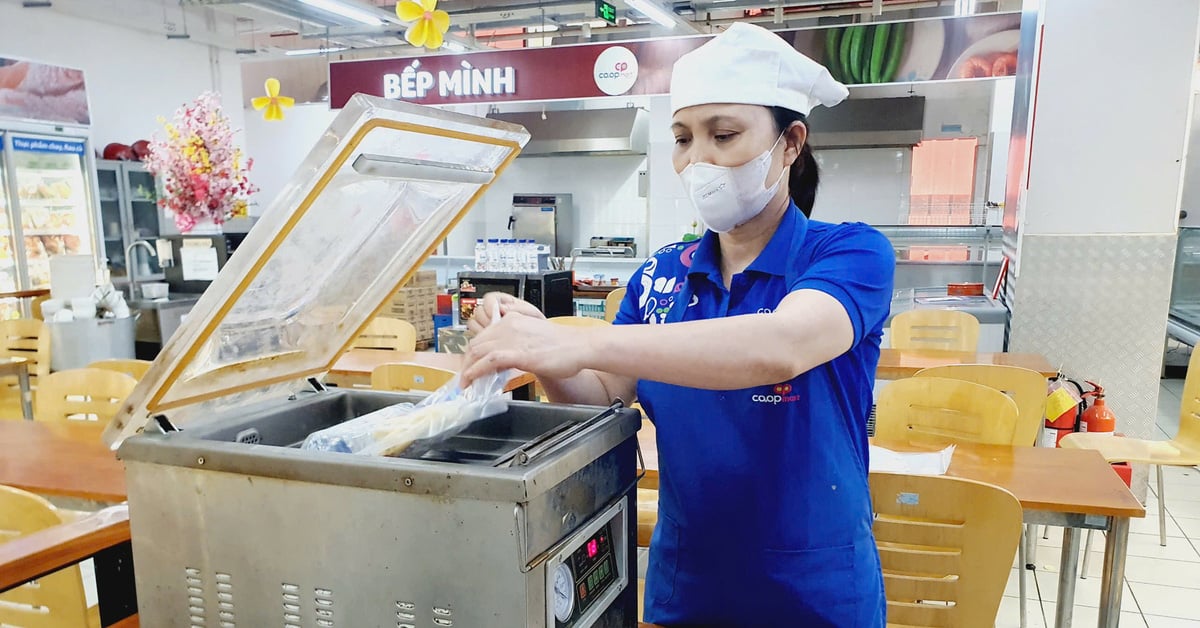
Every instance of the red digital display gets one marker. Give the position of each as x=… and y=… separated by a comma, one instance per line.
x=593, y=548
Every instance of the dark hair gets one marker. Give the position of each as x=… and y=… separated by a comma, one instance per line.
x=805, y=176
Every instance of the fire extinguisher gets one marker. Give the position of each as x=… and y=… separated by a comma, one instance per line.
x=1067, y=421
x=1098, y=418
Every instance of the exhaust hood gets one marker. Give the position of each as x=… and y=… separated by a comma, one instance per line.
x=623, y=131
x=868, y=123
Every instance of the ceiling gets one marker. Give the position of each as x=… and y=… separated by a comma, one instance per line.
x=264, y=29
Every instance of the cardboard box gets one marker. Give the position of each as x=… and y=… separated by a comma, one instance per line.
x=423, y=279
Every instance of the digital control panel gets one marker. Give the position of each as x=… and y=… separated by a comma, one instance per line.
x=588, y=575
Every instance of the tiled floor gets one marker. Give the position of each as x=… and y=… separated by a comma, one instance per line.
x=1162, y=587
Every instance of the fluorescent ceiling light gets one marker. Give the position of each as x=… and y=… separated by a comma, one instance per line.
x=313, y=51
x=653, y=11
x=345, y=10
x=454, y=46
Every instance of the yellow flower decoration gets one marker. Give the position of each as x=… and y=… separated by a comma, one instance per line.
x=272, y=102
x=431, y=24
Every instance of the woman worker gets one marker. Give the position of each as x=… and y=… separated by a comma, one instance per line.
x=759, y=383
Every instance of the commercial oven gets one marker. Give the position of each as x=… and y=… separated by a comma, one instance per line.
x=522, y=519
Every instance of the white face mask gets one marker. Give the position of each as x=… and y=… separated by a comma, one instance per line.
x=729, y=197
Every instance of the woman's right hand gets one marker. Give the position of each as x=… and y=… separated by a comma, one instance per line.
x=482, y=317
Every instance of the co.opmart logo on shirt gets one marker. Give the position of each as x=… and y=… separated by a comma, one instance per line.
x=782, y=394
x=616, y=70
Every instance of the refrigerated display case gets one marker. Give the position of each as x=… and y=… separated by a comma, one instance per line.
x=51, y=200
x=129, y=212
x=9, y=308
x=1183, y=316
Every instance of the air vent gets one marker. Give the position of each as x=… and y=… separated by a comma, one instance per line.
x=225, y=600
x=291, y=605
x=406, y=614
x=323, y=607
x=195, y=590
x=249, y=437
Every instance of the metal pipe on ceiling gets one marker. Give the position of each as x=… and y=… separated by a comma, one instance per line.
x=765, y=18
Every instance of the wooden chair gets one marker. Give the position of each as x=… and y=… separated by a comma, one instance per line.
x=946, y=545
x=612, y=304
x=1027, y=388
x=1181, y=451
x=35, y=306
x=935, y=329
x=87, y=394
x=578, y=321
x=647, y=515
x=387, y=333
x=23, y=338
x=133, y=368
x=944, y=410
x=405, y=376
x=53, y=601
x=30, y=339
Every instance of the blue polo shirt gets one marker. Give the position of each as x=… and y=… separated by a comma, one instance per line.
x=764, y=508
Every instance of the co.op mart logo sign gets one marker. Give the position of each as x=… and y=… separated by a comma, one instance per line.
x=782, y=395
x=616, y=70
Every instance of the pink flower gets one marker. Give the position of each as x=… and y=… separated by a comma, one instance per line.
x=202, y=172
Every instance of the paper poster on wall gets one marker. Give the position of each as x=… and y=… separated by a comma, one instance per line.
x=198, y=263
x=40, y=91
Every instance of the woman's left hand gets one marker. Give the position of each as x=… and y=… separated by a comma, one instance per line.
x=529, y=344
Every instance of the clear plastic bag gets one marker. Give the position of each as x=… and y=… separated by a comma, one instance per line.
x=389, y=431
x=444, y=413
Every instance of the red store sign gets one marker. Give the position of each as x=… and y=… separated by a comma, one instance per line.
x=980, y=46
x=586, y=71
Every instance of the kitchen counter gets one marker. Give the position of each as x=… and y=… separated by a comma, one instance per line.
x=172, y=301
x=983, y=308
x=160, y=319
x=992, y=315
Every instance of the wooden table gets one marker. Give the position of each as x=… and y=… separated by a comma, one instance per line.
x=103, y=537
x=20, y=368
x=69, y=459
x=1073, y=489
x=65, y=458
x=902, y=363
x=355, y=366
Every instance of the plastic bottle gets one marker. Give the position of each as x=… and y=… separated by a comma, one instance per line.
x=480, y=254
x=523, y=256
x=493, y=255
x=511, y=257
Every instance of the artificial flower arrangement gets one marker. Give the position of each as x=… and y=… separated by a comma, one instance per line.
x=204, y=176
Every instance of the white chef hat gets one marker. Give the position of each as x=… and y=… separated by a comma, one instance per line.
x=750, y=65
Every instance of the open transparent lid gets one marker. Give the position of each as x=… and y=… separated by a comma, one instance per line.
x=380, y=190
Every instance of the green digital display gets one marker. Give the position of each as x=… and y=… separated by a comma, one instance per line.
x=606, y=11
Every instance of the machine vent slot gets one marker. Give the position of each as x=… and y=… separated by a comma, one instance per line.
x=195, y=588
x=406, y=614
x=291, y=605
x=442, y=616
x=249, y=437
x=323, y=607
x=225, y=608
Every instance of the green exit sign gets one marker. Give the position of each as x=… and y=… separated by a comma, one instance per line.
x=606, y=11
